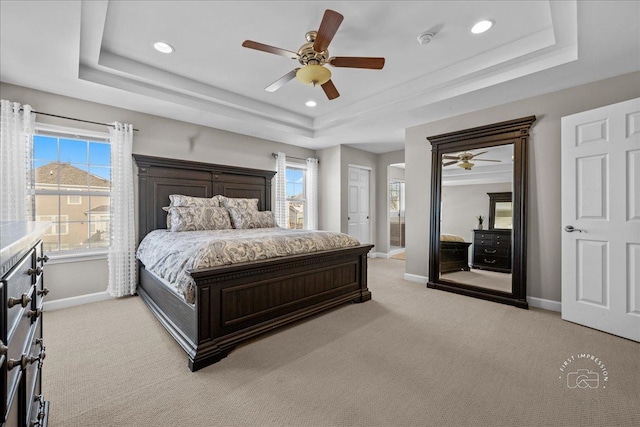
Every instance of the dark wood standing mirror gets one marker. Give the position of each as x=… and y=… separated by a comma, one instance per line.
x=482, y=263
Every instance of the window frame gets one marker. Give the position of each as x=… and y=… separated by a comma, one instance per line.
x=73, y=255
x=303, y=167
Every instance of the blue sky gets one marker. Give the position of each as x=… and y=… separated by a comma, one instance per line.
x=91, y=156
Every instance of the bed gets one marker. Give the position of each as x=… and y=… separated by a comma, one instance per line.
x=454, y=253
x=237, y=302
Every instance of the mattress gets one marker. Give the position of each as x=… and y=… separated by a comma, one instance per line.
x=170, y=255
x=450, y=238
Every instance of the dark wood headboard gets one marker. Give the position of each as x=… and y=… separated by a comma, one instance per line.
x=160, y=177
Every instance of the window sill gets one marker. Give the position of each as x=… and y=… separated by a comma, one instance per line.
x=77, y=257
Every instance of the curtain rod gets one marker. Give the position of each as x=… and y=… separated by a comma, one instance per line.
x=291, y=157
x=74, y=119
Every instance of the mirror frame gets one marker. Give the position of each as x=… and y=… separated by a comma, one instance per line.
x=494, y=198
x=514, y=132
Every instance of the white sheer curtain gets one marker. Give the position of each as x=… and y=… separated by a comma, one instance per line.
x=280, y=209
x=122, y=256
x=311, y=191
x=16, y=142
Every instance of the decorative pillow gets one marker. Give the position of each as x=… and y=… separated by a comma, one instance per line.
x=194, y=218
x=243, y=218
x=182, y=200
x=245, y=204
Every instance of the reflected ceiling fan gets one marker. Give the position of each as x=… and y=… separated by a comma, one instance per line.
x=313, y=55
x=463, y=159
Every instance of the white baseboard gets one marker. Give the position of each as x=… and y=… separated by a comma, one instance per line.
x=73, y=301
x=379, y=255
x=396, y=251
x=416, y=278
x=545, y=304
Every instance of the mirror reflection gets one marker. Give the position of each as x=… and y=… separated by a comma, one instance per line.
x=476, y=218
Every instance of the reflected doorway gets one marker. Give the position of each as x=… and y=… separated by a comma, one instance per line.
x=396, y=214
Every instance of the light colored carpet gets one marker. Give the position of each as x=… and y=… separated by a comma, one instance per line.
x=483, y=278
x=410, y=357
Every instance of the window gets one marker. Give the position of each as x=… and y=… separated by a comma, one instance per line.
x=71, y=177
x=296, y=198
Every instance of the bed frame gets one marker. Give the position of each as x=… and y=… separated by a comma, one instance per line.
x=237, y=302
x=454, y=256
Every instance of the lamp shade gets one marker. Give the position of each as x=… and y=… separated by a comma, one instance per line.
x=466, y=164
x=313, y=75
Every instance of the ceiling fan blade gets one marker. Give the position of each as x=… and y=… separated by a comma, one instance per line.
x=281, y=81
x=450, y=163
x=477, y=154
x=357, y=62
x=330, y=90
x=330, y=23
x=269, y=49
x=486, y=160
x=446, y=156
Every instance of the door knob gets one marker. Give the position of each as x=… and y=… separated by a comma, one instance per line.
x=571, y=229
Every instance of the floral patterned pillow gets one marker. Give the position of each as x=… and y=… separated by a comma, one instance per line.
x=182, y=200
x=245, y=204
x=242, y=218
x=194, y=218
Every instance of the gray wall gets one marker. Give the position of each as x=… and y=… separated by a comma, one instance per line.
x=544, y=227
x=461, y=204
x=157, y=136
x=329, y=196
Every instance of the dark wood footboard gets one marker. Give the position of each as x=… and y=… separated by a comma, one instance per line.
x=237, y=302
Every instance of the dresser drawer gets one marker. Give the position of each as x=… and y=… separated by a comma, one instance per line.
x=492, y=262
x=18, y=287
x=496, y=251
x=39, y=292
x=478, y=235
x=36, y=352
x=13, y=412
x=16, y=353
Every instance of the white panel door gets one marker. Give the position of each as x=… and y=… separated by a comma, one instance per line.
x=601, y=219
x=358, y=204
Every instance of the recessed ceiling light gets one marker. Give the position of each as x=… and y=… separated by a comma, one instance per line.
x=163, y=47
x=482, y=26
x=311, y=103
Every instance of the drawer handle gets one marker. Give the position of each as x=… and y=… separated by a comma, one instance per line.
x=24, y=300
x=487, y=251
x=43, y=259
x=493, y=261
x=34, y=271
x=40, y=358
x=497, y=243
x=44, y=291
x=34, y=313
x=38, y=422
x=3, y=348
x=12, y=363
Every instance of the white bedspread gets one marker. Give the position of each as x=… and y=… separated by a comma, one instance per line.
x=169, y=255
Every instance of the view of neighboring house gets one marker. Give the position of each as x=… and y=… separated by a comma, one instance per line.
x=72, y=199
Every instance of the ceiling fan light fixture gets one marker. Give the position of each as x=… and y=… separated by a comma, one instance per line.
x=482, y=26
x=466, y=165
x=313, y=75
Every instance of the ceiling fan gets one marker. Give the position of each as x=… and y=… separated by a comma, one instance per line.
x=313, y=55
x=463, y=159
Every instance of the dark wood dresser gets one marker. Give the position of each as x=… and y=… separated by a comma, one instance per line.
x=22, y=350
x=492, y=250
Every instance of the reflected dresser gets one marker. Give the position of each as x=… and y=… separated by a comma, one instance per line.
x=492, y=250
x=22, y=350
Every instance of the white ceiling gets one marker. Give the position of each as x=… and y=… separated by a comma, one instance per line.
x=102, y=51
